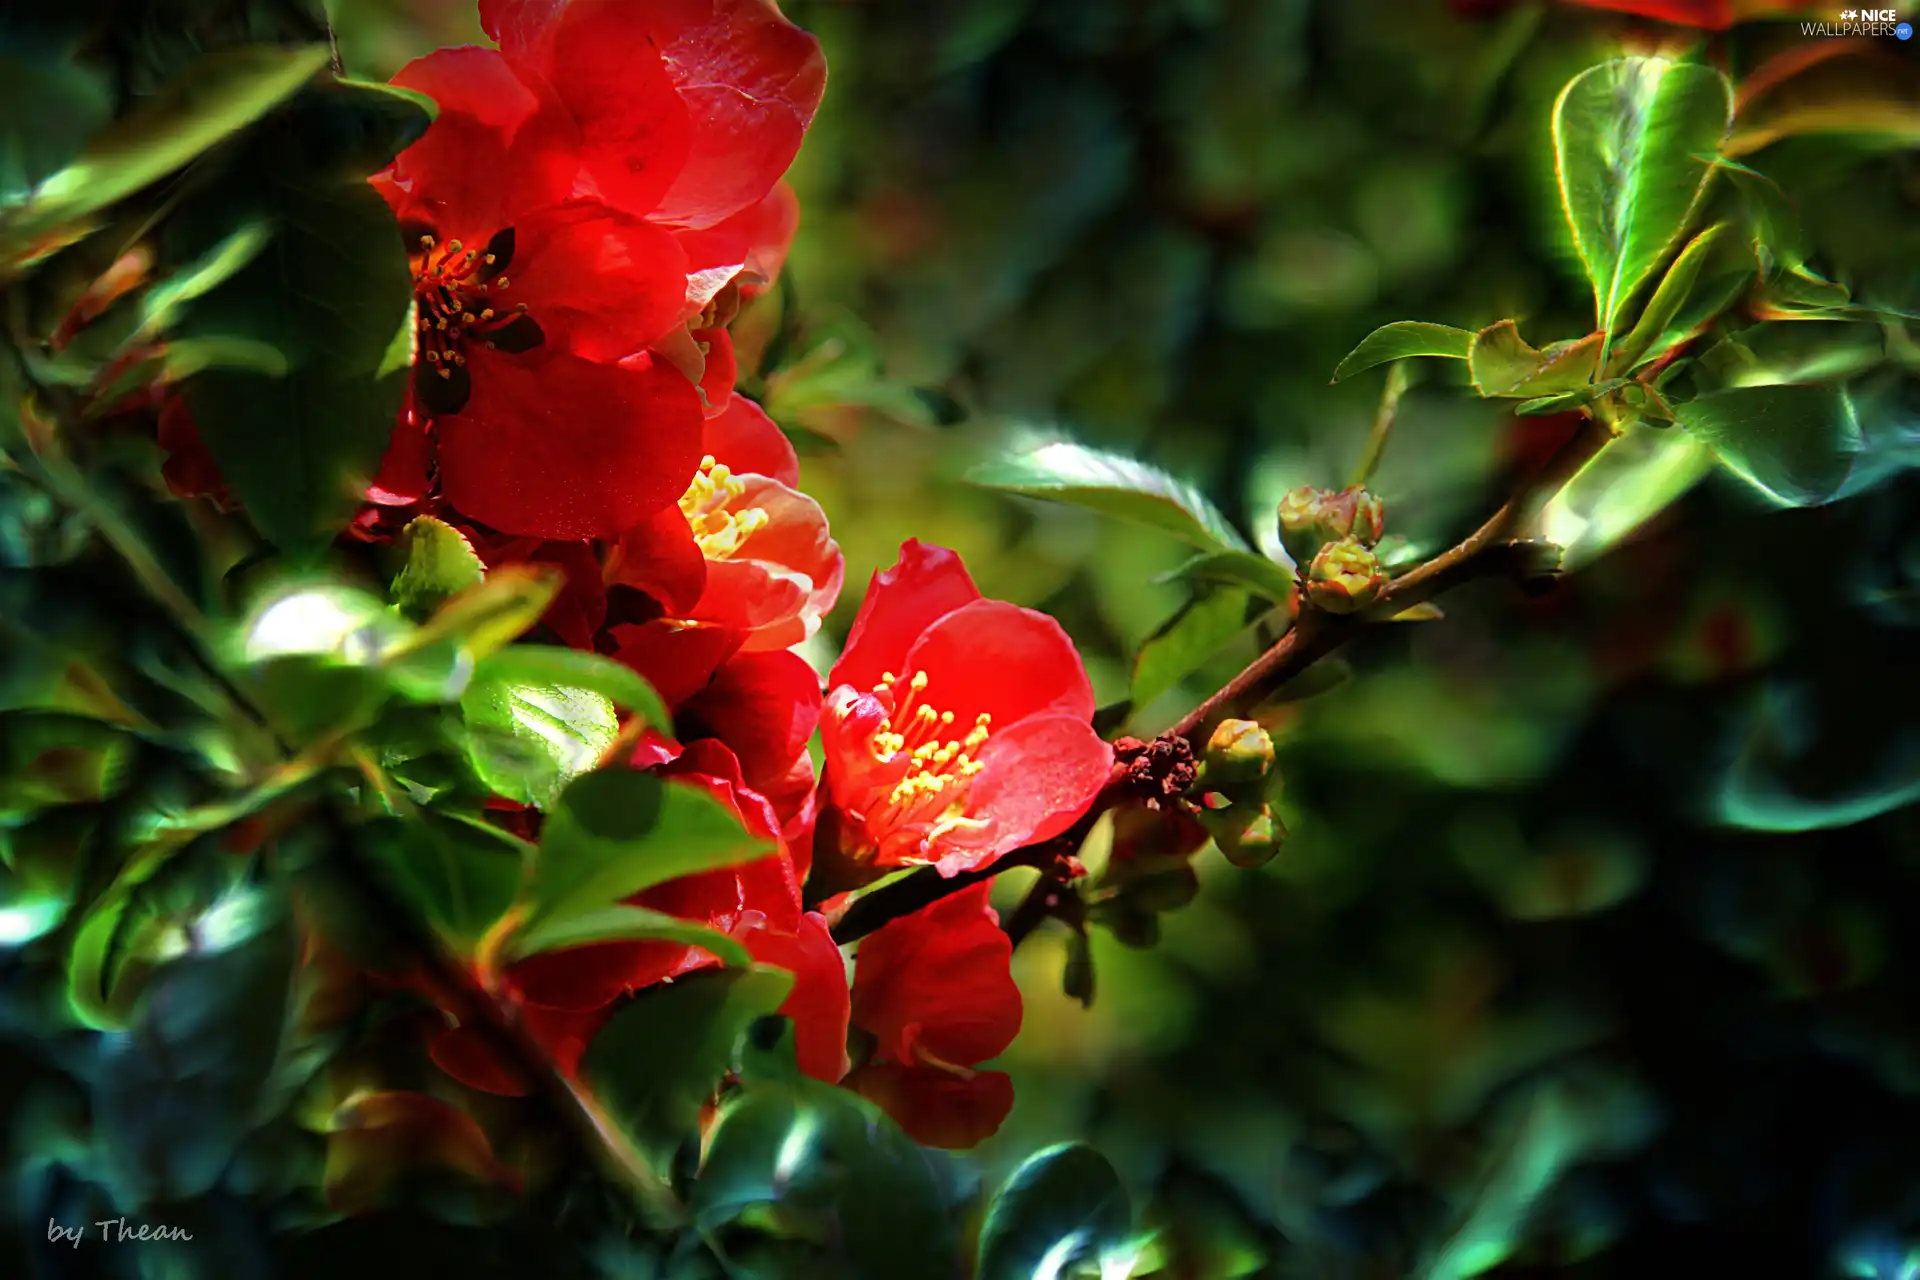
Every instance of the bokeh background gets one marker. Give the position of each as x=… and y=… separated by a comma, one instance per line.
x=1592, y=948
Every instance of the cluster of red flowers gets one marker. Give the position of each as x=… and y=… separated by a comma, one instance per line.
x=594, y=201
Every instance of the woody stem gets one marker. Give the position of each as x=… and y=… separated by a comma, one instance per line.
x=1495, y=549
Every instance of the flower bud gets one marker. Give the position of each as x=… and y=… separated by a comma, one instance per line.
x=1254, y=843
x=1239, y=751
x=1345, y=577
x=1311, y=518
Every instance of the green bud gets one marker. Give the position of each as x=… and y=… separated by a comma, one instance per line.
x=1239, y=751
x=1312, y=518
x=1345, y=577
x=1254, y=843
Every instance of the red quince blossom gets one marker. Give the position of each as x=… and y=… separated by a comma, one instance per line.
x=750, y=555
x=543, y=209
x=957, y=728
x=936, y=992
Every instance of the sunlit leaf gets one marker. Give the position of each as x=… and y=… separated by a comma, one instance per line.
x=1624, y=137
x=1113, y=485
x=1502, y=364
x=528, y=741
x=440, y=563
x=1063, y=1207
x=1795, y=444
x=1404, y=339
x=1632, y=480
x=549, y=664
x=1667, y=299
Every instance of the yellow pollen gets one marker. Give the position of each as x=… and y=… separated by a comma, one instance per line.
x=708, y=506
x=938, y=768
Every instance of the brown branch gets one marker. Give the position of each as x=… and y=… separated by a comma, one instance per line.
x=1495, y=549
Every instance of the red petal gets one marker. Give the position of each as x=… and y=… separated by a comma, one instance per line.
x=1037, y=777
x=518, y=25
x=939, y=980
x=403, y=469
x=718, y=373
x=676, y=658
x=567, y=448
x=577, y=612
x=819, y=1001
x=749, y=442
x=776, y=219
x=600, y=284
x=997, y=658
x=936, y=1108
x=926, y=584
x=751, y=81
x=660, y=557
x=764, y=706
x=635, y=129
x=498, y=146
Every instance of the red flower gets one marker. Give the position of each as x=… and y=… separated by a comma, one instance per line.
x=546, y=264
x=935, y=990
x=819, y=1001
x=957, y=728
x=751, y=555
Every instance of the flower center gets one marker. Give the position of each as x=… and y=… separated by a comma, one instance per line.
x=719, y=531
x=939, y=769
x=457, y=291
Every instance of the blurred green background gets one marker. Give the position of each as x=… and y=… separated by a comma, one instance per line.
x=1591, y=949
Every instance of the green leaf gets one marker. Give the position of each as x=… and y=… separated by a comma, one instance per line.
x=1201, y=628
x=329, y=292
x=220, y=94
x=440, y=564
x=1064, y=1206
x=550, y=664
x=1266, y=578
x=49, y=107
x=659, y=1059
x=1113, y=485
x=1667, y=300
x=461, y=874
x=1404, y=339
x=1629, y=482
x=485, y=618
x=623, y=922
x=617, y=831
x=1501, y=364
x=527, y=742
x=350, y=128
x=1794, y=444
x=1578, y=398
x=802, y=1179
x=1625, y=134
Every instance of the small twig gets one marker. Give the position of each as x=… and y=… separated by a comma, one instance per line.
x=1397, y=379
